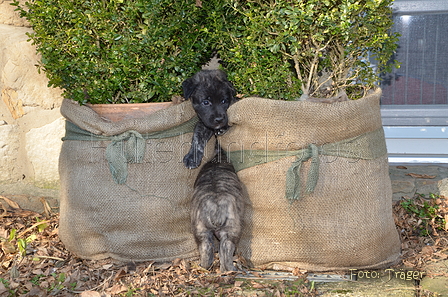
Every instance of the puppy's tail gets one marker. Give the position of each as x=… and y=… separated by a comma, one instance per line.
x=215, y=214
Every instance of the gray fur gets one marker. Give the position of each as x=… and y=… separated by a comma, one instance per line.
x=216, y=210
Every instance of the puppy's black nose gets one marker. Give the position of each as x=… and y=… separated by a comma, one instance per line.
x=219, y=120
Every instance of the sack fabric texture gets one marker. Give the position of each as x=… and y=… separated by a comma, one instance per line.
x=125, y=192
x=317, y=177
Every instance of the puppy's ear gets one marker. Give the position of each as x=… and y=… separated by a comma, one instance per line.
x=232, y=91
x=188, y=87
x=222, y=76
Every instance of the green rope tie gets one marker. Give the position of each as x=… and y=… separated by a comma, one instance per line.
x=293, y=173
x=367, y=146
x=127, y=147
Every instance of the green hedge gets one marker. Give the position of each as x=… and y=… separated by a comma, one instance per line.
x=283, y=49
x=116, y=51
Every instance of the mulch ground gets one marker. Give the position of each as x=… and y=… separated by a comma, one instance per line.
x=34, y=262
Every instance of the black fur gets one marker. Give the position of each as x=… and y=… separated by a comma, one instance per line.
x=216, y=210
x=211, y=94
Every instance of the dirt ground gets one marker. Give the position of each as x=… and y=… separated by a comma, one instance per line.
x=34, y=262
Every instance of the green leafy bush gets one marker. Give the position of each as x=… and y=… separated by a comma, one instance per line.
x=283, y=49
x=116, y=51
x=119, y=51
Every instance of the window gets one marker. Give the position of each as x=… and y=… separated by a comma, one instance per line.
x=423, y=53
x=415, y=96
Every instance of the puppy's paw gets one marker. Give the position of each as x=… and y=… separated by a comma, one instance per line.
x=227, y=268
x=191, y=162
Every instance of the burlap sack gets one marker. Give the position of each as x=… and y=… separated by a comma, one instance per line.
x=128, y=211
x=318, y=182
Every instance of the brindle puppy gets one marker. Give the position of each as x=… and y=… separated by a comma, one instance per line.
x=211, y=95
x=216, y=210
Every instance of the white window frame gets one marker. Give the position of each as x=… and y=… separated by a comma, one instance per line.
x=420, y=6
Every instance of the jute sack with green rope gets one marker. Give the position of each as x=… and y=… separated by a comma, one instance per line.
x=317, y=176
x=125, y=192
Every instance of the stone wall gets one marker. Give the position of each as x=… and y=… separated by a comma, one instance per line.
x=422, y=179
x=31, y=125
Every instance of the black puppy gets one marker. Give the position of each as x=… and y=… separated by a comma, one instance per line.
x=211, y=95
x=216, y=210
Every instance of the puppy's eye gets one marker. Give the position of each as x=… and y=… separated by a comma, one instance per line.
x=206, y=102
x=224, y=101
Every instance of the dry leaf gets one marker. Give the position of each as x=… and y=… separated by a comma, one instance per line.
x=441, y=255
x=2, y=288
x=402, y=167
x=117, y=289
x=427, y=250
x=96, y=278
x=278, y=294
x=10, y=202
x=256, y=274
x=415, y=175
x=14, y=272
x=36, y=292
x=256, y=285
x=163, y=266
x=47, y=207
x=4, y=210
x=298, y=272
x=177, y=262
x=8, y=247
x=90, y=294
x=148, y=268
x=121, y=273
x=3, y=233
x=37, y=271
